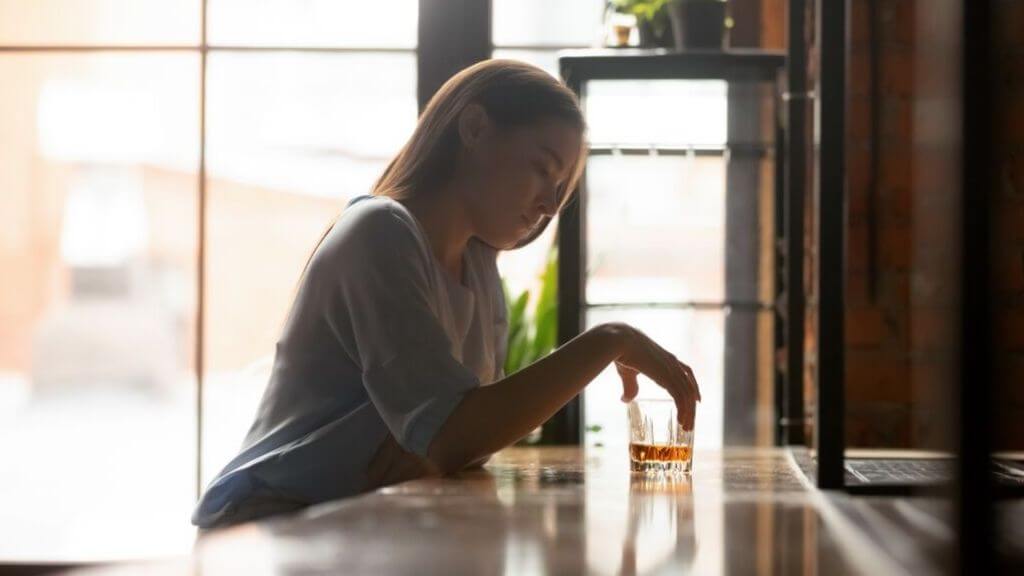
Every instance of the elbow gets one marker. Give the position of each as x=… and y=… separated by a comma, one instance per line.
x=447, y=461
x=443, y=463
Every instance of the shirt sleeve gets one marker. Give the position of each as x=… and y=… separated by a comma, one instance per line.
x=382, y=310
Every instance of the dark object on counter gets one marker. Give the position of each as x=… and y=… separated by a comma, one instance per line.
x=698, y=23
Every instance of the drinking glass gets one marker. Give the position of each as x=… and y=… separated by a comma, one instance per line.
x=657, y=443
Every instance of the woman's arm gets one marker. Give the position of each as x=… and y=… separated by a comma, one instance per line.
x=492, y=417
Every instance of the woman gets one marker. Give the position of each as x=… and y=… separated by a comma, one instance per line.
x=389, y=366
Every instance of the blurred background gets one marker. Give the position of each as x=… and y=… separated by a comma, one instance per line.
x=160, y=165
x=303, y=104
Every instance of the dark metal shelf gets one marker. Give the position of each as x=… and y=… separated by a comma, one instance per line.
x=741, y=305
x=664, y=64
x=748, y=149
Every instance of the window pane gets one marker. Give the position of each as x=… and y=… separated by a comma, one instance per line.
x=98, y=204
x=290, y=138
x=313, y=23
x=638, y=204
x=546, y=59
x=657, y=112
x=104, y=22
x=696, y=337
x=543, y=22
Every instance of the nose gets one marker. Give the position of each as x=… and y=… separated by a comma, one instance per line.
x=547, y=203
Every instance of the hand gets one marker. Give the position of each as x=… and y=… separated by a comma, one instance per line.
x=639, y=354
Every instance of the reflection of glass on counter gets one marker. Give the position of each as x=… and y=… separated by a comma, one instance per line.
x=660, y=533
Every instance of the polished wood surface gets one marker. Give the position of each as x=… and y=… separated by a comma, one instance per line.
x=566, y=511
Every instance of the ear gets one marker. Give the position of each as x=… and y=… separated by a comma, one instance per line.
x=473, y=123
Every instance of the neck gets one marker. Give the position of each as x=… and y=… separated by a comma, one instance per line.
x=446, y=224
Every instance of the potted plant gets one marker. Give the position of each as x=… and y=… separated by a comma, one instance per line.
x=698, y=23
x=533, y=334
x=652, y=22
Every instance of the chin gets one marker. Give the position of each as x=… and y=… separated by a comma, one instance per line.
x=497, y=244
x=507, y=244
x=506, y=241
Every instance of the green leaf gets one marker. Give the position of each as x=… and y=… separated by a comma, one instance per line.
x=518, y=334
x=642, y=9
x=533, y=334
x=546, y=311
x=518, y=309
x=517, y=353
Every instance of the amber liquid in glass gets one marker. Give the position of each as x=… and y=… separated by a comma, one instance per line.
x=659, y=457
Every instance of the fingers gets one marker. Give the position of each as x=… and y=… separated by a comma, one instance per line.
x=666, y=370
x=691, y=380
x=686, y=402
x=678, y=384
x=630, y=387
x=674, y=380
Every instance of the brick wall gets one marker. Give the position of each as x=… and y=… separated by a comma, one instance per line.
x=879, y=185
x=880, y=399
x=935, y=240
x=903, y=225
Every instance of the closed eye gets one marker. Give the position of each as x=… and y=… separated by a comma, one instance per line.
x=542, y=169
x=547, y=174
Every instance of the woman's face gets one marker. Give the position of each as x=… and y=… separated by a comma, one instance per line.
x=516, y=175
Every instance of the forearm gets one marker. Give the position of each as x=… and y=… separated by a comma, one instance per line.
x=492, y=417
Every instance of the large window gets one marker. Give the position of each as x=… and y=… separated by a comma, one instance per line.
x=655, y=214
x=290, y=138
x=676, y=219
x=102, y=188
x=535, y=30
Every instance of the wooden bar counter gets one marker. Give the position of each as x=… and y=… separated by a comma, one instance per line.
x=570, y=511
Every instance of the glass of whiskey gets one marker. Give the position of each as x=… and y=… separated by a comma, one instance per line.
x=657, y=443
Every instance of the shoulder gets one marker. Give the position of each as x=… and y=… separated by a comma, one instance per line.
x=374, y=242
x=376, y=217
x=376, y=229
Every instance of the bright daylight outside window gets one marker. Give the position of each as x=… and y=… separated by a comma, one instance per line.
x=100, y=197
x=638, y=205
x=99, y=200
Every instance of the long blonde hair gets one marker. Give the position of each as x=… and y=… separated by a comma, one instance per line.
x=513, y=94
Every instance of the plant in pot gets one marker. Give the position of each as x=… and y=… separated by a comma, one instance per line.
x=698, y=24
x=652, y=22
x=532, y=334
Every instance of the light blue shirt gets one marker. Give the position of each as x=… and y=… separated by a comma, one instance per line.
x=380, y=339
